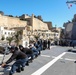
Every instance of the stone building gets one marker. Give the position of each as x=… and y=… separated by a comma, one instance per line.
x=31, y=25
x=36, y=26
x=6, y=33
x=34, y=22
x=49, y=24
x=10, y=22
x=70, y=29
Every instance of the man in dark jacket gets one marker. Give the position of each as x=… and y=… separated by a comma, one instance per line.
x=21, y=59
x=27, y=51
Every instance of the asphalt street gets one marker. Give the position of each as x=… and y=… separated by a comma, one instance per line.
x=56, y=61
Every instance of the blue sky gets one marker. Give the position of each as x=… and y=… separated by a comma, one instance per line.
x=55, y=11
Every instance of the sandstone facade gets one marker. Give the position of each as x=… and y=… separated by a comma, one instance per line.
x=6, y=21
x=39, y=25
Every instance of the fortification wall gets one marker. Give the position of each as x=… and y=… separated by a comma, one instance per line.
x=39, y=25
x=7, y=21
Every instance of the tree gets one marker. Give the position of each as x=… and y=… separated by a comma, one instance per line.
x=2, y=38
x=18, y=36
x=9, y=39
x=36, y=37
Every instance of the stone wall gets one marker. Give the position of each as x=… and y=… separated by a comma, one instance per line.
x=49, y=25
x=10, y=22
x=39, y=25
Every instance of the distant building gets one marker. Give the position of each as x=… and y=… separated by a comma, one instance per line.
x=70, y=30
x=30, y=25
x=35, y=25
x=10, y=22
x=6, y=33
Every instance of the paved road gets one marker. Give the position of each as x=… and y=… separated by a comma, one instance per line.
x=56, y=61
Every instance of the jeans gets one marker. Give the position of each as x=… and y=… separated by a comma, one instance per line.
x=31, y=55
x=19, y=63
x=35, y=51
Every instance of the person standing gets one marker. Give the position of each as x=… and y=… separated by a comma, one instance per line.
x=48, y=43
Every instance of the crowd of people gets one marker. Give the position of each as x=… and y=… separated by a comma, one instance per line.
x=23, y=56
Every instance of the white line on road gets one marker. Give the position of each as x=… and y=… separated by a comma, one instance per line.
x=45, y=55
x=45, y=67
x=68, y=59
x=70, y=53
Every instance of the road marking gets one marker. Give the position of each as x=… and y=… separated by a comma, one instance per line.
x=52, y=47
x=68, y=59
x=45, y=67
x=45, y=55
x=65, y=58
x=71, y=53
x=55, y=57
